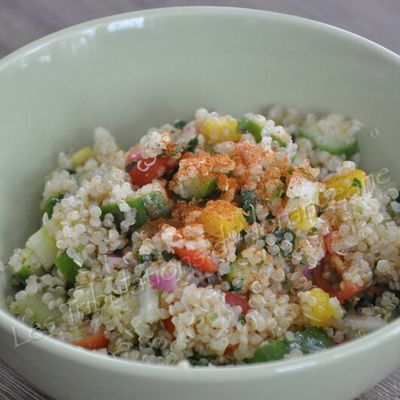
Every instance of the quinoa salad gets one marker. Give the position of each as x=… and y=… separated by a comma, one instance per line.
x=214, y=241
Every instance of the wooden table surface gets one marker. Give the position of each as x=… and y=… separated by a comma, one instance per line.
x=22, y=21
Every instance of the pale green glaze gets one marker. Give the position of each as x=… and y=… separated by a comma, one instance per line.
x=133, y=71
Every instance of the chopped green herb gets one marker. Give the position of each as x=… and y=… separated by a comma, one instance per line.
x=308, y=341
x=192, y=144
x=236, y=286
x=314, y=229
x=213, y=316
x=129, y=166
x=279, y=193
x=180, y=124
x=248, y=201
x=145, y=257
x=242, y=319
x=199, y=360
x=311, y=340
x=357, y=183
x=283, y=178
x=167, y=256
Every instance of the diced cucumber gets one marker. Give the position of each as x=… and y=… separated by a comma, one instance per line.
x=43, y=245
x=50, y=204
x=141, y=213
x=156, y=204
x=41, y=315
x=278, y=140
x=247, y=125
x=248, y=201
x=150, y=205
x=333, y=144
x=239, y=274
x=308, y=341
x=198, y=188
x=91, y=297
x=67, y=266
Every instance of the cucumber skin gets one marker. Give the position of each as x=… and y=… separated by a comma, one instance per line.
x=208, y=189
x=150, y=206
x=156, y=205
x=279, y=140
x=141, y=213
x=67, y=266
x=26, y=271
x=200, y=188
x=348, y=149
x=247, y=125
x=50, y=204
x=137, y=203
x=42, y=316
x=308, y=341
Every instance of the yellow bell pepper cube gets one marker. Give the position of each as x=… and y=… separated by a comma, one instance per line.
x=317, y=308
x=81, y=156
x=220, y=218
x=303, y=218
x=347, y=185
x=220, y=129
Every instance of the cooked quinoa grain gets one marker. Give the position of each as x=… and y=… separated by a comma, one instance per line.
x=213, y=241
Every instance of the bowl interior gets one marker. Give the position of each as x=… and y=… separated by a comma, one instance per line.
x=130, y=72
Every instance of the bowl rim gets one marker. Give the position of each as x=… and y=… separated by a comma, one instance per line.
x=199, y=374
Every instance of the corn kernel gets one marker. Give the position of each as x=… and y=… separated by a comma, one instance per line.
x=347, y=185
x=317, y=308
x=220, y=218
x=303, y=218
x=220, y=129
x=81, y=156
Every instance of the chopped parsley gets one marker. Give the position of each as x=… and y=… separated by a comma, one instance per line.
x=357, y=183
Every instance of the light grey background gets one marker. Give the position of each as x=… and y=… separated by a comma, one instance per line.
x=22, y=21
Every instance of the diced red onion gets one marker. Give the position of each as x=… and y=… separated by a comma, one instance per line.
x=166, y=283
x=283, y=217
x=114, y=260
x=306, y=272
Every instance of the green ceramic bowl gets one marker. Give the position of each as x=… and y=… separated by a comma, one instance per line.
x=133, y=71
